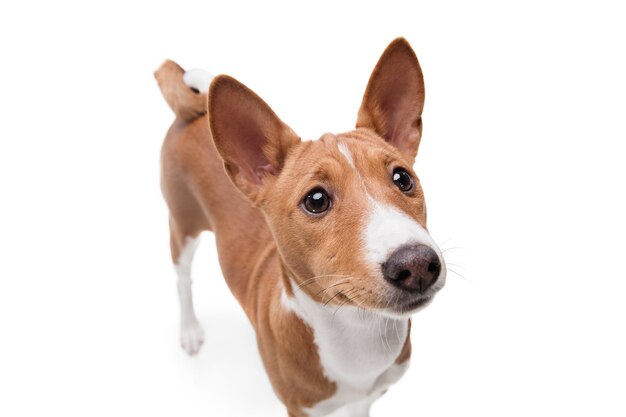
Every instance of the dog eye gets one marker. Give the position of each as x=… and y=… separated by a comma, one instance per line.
x=316, y=201
x=403, y=180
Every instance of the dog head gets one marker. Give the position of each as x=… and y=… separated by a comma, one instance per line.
x=347, y=211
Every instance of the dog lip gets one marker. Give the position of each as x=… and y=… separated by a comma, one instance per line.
x=417, y=303
x=414, y=304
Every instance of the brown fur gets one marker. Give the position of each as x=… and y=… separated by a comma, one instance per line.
x=186, y=103
x=263, y=236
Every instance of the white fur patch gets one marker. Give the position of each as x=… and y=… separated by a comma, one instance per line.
x=388, y=228
x=183, y=264
x=357, y=349
x=346, y=153
x=191, y=333
x=198, y=79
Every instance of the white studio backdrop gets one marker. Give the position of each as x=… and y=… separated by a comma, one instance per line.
x=522, y=162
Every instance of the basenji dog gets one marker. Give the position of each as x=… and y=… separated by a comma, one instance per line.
x=323, y=243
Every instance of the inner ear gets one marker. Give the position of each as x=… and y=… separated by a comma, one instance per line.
x=394, y=98
x=249, y=147
x=252, y=141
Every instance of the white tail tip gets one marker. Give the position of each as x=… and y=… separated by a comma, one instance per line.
x=198, y=79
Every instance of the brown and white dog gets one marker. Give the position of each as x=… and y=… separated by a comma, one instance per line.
x=323, y=243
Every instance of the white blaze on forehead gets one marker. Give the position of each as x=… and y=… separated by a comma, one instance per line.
x=198, y=79
x=346, y=153
x=388, y=229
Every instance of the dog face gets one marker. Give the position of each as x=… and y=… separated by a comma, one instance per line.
x=349, y=216
x=347, y=211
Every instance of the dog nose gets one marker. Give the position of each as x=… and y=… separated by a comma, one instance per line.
x=412, y=268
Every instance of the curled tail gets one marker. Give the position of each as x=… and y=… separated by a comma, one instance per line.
x=185, y=92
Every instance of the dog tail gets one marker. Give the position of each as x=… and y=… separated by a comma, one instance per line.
x=184, y=91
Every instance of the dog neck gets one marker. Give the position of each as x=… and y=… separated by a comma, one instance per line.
x=355, y=345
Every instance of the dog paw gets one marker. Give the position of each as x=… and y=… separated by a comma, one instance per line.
x=191, y=337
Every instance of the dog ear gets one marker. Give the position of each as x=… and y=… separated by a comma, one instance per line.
x=252, y=141
x=394, y=98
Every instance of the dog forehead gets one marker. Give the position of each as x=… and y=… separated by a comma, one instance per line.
x=338, y=159
x=364, y=149
x=362, y=144
x=346, y=164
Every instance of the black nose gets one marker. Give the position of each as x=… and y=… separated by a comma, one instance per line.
x=412, y=268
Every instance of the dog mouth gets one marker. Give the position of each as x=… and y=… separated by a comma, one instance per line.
x=409, y=306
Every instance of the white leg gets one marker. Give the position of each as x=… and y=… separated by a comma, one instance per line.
x=362, y=408
x=191, y=333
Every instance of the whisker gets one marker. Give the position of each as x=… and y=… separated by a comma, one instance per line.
x=331, y=298
x=386, y=325
x=350, y=297
x=344, y=281
x=453, y=248
x=387, y=335
x=380, y=333
x=459, y=275
x=311, y=280
x=458, y=265
x=395, y=323
x=359, y=305
x=305, y=282
x=442, y=243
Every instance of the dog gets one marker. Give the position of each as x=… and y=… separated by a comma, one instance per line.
x=323, y=243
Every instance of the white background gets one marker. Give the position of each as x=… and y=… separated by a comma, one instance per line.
x=522, y=162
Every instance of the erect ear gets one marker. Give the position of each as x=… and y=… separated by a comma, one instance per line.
x=394, y=98
x=250, y=138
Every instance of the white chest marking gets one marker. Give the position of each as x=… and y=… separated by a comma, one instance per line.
x=357, y=348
